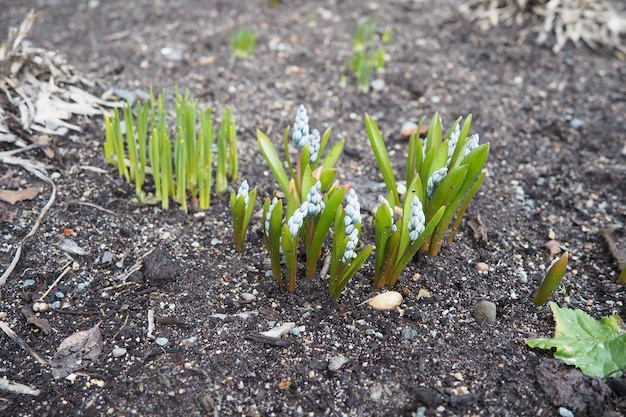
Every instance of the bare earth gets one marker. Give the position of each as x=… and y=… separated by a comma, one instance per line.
x=557, y=127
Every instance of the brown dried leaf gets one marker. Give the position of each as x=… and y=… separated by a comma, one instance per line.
x=10, y=180
x=40, y=322
x=13, y=196
x=76, y=352
x=6, y=213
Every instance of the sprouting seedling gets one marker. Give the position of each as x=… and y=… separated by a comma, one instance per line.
x=243, y=44
x=181, y=167
x=551, y=281
x=241, y=206
x=366, y=55
x=312, y=203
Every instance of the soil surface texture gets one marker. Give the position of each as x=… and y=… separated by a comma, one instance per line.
x=556, y=171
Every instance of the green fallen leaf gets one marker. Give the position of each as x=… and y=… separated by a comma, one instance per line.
x=597, y=348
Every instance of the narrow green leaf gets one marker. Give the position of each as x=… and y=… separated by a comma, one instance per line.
x=273, y=161
x=382, y=157
x=551, y=281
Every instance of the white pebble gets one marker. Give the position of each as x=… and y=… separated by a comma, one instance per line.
x=386, y=301
x=279, y=331
x=118, y=352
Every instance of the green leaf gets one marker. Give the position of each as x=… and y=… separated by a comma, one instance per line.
x=595, y=347
x=553, y=278
x=271, y=156
x=382, y=157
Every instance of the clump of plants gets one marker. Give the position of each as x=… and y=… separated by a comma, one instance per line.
x=443, y=173
x=243, y=44
x=368, y=54
x=181, y=157
x=312, y=203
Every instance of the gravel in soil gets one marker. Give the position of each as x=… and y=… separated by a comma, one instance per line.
x=557, y=128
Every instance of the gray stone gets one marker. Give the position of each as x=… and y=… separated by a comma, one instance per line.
x=485, y=312
x=337, y=362
x=408, y=333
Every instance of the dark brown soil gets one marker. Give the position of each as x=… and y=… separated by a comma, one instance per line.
x=557, y=126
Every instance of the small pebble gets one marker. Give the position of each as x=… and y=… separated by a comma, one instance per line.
x=553, y=246
x=215, y=241
x=378, y=84
x=386, y=301
x=28, y=283
x=408, y=128
x=247, y=297
x=279, y=331
x=40, y=307
x=576, y=123
x=161, y=341
x=81, y=286
x=55, y=305
x=107, y=257
x=195, y=244
x=482, y=268
x=485, y=312
x=296, y=331
x=564, y=412
x=118, y=352
x=337, y=362
x=408, y=333
x=59, y=294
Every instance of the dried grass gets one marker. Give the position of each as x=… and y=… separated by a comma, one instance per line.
x=596, y=23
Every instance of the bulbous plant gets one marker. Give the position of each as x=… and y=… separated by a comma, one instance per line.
x=313, y=203
x=443, y=171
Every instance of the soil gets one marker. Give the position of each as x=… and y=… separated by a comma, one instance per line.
x=557, y=127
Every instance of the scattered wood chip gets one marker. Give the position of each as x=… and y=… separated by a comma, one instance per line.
x=13, y=196
x=76, y=352
x=40, y=322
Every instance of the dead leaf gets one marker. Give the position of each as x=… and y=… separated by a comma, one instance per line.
x=13, y=196
x=71, y=247
x=77, y=352
x=10, y=180
x=6, y=213
x=40, y=322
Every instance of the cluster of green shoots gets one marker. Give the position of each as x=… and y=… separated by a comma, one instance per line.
x=181, y=163
x=243, y=44
x=443, y=173
x=368, y=54
x=316, y=206
x=313, y=203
